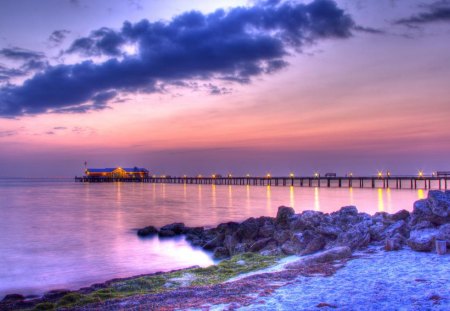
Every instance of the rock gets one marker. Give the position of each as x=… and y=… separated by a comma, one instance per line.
x=260, y=244
x=241, y=248
x=400, y=215
x=399, y=227
x=302, y=239
x=56, y=293
x=329, y=255
x=266, y=231
x=283, y=215
x=230, y=243
x=270, y=249
x=357, y=236
x=306, y=220
x=211, y=244
x=439, y=203
x=444, y=233
x=377, y=232
x=422, y=240
x=316, y=244
x=221, y=252
x=248, y=230
x=348, y=211
x=228, y=227
x=150, y=230
x=329, y=229
x=177, y=228
x=423, y=224
x=166, y=233
x=13, y=298
x=281, y=236
x=288, y=248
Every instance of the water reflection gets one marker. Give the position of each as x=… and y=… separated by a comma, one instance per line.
x=291, y=196
x=420, y=194
x=350, y=191
x=316, y=199
x=269, y=198
x=380, y=200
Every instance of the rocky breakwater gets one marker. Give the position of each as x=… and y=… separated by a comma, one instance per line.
x=311, y=231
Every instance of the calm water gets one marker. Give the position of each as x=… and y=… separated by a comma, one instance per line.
x=61, y=234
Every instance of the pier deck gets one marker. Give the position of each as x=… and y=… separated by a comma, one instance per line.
x=395, y=182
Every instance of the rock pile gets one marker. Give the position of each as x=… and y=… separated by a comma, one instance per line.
x=312, y=231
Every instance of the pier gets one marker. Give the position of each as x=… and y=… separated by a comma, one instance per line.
x=392, y=182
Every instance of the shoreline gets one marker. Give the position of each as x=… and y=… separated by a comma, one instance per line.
x=306, y=235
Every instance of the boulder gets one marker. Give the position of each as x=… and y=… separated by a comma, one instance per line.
x=283, y=215
x=166, y=233
x=177, y=228
x=439, y=203
x=329, y=229
x=248, y=229
x=422, y=240
x=13, y=298
x=306, y=220
x=444, y=233
x=211, y=244
x=399, y=227
x=348, y=211
x=281, y=236
x=221, y=252
x=357, y=236
x=288, y=248
x=400, y=215
x=267, y=230
x=260, y=244
x=316, y=244
x=228, y=227
x=302, y=239
x=376, y=231
x=230, y=243
x=150, y=230
x=270, y=249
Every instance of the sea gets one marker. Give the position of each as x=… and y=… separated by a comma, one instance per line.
x=61, y=234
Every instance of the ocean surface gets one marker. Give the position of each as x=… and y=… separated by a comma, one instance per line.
x=60, y=234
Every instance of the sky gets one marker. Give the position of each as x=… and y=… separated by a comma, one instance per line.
x=201, y=87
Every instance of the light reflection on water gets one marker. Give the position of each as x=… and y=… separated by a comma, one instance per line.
x=68, y=235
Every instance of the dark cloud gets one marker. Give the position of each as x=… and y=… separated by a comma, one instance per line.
x=16, y=53
x=59, y=128
x=58, y=36
x=369, y=30
x=438, y=11
x=7, y=73
x=235, y=45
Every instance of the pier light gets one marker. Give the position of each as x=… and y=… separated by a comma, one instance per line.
x=268, y=175
x=434, y=174
x=213, y=175
x=248, y=175
x=291, y=175
x=420, y=174
x=229, y=176
x=184, y=176
x=199, y=176
x=316, y=175
x=153, y=176
x=380, y=174
x=163, y=176
x=350, y=174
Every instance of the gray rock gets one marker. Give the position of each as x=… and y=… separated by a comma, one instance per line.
x=400, y=215
x=306, y=220
x=230, y=243
x=283, y=215
x=56, y=293
x=260, y=244
x=444, y=233
x=177, y=228
x=211, y=244
x=221, y=252
x=248, y=230
x=166, y=233
x=329, y=229
x=422, y=240
x=356, y=237
x=281, y=236
x=399, y=227
x=348, y=211
x=316, y=244
x=288, y=248
x=150, y=230
x=439, y=203
x=302, y=239
x=270, y=249
x=266, y=231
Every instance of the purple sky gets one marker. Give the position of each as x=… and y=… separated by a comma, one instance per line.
x=202, y=87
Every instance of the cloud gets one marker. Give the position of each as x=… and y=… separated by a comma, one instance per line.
x=235, y=45
x=16, y=53
x=7, y=73
x=58, y=36
x=7, y=133
x=369, y=30
x=438, y=11
x=59, y=128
